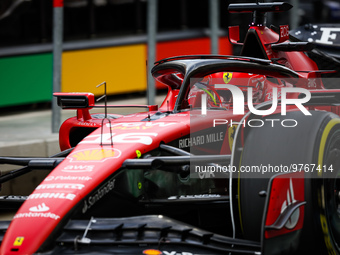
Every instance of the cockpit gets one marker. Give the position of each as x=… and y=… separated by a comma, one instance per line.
x=215, y=90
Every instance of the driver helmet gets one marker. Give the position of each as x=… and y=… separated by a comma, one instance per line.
x=242, y=80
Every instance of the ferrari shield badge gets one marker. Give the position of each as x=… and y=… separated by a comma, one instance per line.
x=18, y=241
x=231, y=134
x=227, y=77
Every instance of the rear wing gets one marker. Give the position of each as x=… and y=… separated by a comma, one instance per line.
x=259, y=11
x=259, y=7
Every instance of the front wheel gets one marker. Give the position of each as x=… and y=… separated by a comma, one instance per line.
x=324, y=192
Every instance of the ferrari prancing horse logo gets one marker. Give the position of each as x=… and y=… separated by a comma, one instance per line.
x=227, y=77
x=18, y=241
x=231, y=134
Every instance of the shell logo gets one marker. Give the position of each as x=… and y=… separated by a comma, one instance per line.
x=94, y=155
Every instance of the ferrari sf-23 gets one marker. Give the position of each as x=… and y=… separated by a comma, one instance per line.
x=242, y=157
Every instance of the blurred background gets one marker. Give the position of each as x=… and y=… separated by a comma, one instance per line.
x=107, y=40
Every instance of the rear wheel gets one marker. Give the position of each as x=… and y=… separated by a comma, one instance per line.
x=315, y=140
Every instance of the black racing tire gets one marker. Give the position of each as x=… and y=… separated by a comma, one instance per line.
x=323, y=196
x=314, y=140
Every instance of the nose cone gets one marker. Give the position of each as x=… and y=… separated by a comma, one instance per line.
x=25, y=235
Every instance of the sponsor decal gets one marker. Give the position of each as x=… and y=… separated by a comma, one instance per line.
x=329, y=35
x=158, y=252
x=18, y=241
x=139, y=125
x=37, y=215
x=227, y=77
x=231, y=135
x=284, y=33
x=39, y=208
x=152, y=252
x=177, y=253
x=205, y=175
x=68, y=178
x=78, y=168
x=312, y=83
x=269, y=96
x=39, y=211
x=269, y=51
x=135, y=115
x=88, y=124
x=179, y=115
x=191, y=141
x=91, y=200
x=98, y=155
x=214, y=137
x=67, y=196
x=144, y=138
x=195, y=196
x=199, y=140
x=61, y=186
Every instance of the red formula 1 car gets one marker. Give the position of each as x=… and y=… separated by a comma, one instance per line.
x=242, y=157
